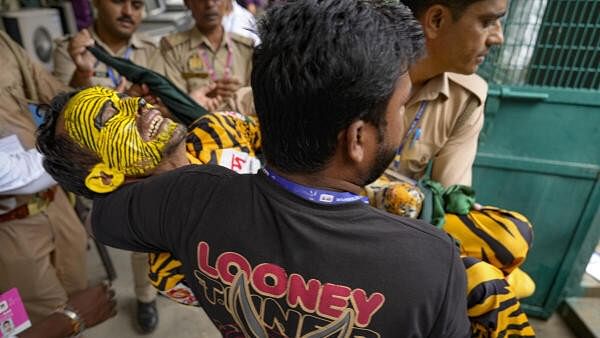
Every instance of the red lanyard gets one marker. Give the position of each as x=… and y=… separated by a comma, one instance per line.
x=211, y=65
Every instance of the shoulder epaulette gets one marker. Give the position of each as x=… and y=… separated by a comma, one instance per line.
x=172, y=40
x=146, y=40
x=473, y=83
x=242, y=39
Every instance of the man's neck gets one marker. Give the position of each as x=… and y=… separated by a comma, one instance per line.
x=324, y=179
x=178, y=158
x=424, y=70
x=214, y=36
x=114, y=44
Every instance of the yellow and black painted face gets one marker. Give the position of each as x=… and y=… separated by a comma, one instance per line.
x=105, y=122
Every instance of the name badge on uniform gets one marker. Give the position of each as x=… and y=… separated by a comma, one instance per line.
x=195, y=63
x=98, y=73
x=196, y=68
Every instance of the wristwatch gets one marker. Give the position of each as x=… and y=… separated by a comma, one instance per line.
x=77, y=323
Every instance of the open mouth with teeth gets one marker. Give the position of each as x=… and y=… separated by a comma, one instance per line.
x=154, y=128
x=151, y=124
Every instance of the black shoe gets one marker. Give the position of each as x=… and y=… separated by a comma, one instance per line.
x=147, y=316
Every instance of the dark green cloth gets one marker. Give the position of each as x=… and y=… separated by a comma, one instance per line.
x=182, y=107
x=456, y=199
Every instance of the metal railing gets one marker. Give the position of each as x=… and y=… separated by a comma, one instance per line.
x=548, y=43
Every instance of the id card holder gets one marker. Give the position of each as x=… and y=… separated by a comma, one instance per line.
x=13, y=317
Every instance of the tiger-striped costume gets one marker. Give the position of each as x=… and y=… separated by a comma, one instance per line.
x=228, y=139
x=493, y=309
x=499, y=237
x=494, y=243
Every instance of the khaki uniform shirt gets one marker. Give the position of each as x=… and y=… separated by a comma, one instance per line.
x=450, y=126
x=27, y=242
x=141, y=51
x=190, y=58
x=22, y=81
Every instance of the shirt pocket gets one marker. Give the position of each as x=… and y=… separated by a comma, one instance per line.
x=415, y=158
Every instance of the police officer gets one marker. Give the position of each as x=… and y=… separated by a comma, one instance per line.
x=445, y=110
x=206, y=59
x=114, y=29
x=443, y=119
x=43, y=242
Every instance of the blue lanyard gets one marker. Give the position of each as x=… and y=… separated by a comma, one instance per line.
x=111, y=73
x=413, y=128
x=319, y=196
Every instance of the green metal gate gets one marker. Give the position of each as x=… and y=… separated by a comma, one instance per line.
x=539, y=151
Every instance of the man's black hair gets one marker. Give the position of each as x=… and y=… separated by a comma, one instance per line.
x=323, y=64
x=66, y=161
x=457, y=7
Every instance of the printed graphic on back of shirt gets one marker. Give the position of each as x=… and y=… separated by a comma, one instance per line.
x=266, y=301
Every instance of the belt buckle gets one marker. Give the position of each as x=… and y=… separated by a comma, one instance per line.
x=35, y=205
x=39, y=202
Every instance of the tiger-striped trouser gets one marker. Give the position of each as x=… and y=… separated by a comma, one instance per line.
x=493, y=243
x=492, y=307
x=496, y=236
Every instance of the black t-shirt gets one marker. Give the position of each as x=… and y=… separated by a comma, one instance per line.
x=264, y=262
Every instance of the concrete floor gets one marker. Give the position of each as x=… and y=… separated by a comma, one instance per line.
x=183, y=322
x=175, y=320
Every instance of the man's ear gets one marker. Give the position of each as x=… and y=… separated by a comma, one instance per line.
x=355, y=140
x=103, y=179
x=434, y=19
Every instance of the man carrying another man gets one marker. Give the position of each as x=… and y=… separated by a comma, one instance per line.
x=288, y=262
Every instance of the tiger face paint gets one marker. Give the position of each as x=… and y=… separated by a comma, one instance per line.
x=124, y=132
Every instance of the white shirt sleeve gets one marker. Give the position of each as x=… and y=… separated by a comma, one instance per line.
x=242, y=22
x=21, y=171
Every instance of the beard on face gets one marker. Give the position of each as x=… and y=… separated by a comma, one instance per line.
x=385, y=156
x=178, y=136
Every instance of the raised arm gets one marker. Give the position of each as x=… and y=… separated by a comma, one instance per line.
x=153, y=215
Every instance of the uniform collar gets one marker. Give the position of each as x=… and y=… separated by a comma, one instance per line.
x=197, y=38
x=431, y=90
x=135, y=42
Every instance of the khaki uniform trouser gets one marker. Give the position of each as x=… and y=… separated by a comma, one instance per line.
x=144, y=291
x=44, y=256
